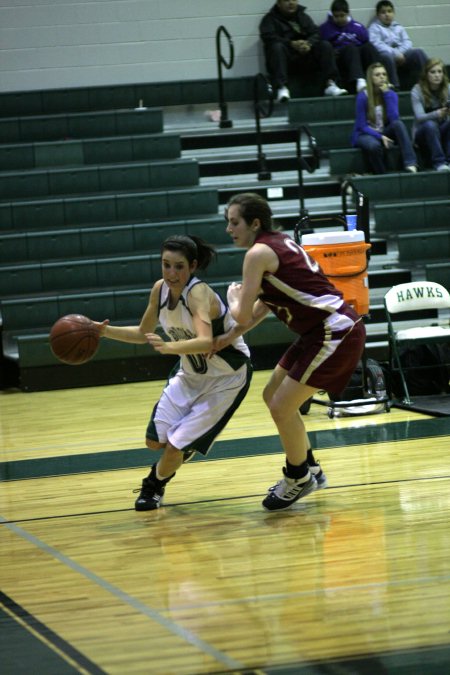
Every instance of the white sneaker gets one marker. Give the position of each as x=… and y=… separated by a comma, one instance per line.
x=334, y=90
x=287, y=491
x=411, y=168
x=321, y=479
x=283, y=95
x=443, y=167
x=360, y=84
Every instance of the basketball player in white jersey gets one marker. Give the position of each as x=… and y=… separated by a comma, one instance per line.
x=205, y=388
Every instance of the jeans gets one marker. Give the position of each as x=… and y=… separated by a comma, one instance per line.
x=415, y=59
x=374, y=149
x=281, y=60
x=353, y=61
x=433, y=138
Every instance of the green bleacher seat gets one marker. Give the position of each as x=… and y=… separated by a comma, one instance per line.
x=80, y=125
x=109, y=178
x=395, y=186
x=352, y=160
x=72, y=211
x=102, y=272
x=330, y=109
x=439, y=272
x=423, y=246
x=56, y=243
x=407, y=216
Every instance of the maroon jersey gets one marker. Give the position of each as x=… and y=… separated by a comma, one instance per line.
x=299, y=293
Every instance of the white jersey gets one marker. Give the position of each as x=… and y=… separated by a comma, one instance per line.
x=177, y=323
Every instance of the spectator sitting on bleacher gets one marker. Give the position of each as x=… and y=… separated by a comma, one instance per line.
x=430, y=99
x=378, y=123
x=393, y=43
x=292, y=43
x=350, y=40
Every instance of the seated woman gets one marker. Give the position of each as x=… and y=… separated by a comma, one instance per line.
x=430, y=99
x=350, y=41
x=378, y=124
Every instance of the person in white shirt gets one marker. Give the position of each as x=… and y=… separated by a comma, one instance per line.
x=393, y=43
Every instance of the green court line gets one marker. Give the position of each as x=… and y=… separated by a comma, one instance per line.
x=240, y=447
x=432, y=660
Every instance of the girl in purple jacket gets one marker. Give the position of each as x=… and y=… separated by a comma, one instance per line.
x=378, y=124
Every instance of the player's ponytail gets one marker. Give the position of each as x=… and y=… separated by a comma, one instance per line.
x=192, y=247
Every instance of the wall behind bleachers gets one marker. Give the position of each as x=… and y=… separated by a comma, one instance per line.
x=48, y=44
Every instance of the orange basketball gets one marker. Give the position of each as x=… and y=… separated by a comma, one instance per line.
x=74, y=339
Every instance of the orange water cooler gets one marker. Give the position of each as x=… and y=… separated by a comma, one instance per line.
x=343, y=259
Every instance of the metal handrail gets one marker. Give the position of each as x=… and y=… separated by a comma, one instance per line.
x=221, y=61
x=262, y=108
x=310, y=164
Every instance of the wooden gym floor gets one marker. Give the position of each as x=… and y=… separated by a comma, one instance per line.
x=355, y=579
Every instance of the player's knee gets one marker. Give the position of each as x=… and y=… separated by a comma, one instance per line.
x=278, y=412
x=267, y=394
x=153, y=445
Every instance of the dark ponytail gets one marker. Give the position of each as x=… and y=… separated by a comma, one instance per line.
x=192, y=248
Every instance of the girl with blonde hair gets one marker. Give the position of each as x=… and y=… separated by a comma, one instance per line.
x=378, y=125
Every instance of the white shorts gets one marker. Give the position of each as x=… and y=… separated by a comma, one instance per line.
x=193, y=409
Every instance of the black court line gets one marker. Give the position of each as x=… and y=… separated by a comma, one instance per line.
x=219, y=500
x=41, y=649
x=240, y=447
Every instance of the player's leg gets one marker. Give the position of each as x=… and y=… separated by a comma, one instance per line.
x=298, y=480
x=153, y=486
x=189, y=417
x=274, y=382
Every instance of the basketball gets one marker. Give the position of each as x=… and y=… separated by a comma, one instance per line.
x=74, y=339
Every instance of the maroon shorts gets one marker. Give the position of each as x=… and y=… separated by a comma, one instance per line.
x=325, y=361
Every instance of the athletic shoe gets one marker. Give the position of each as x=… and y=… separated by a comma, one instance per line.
x=319, y=475
x=287, y=491
x=283, y=95
x=334, y=90
x=411, y=168
x=443, y=167
x=151, y=493
x=360, y=84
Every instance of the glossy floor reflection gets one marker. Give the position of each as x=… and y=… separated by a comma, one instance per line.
x=355, y=579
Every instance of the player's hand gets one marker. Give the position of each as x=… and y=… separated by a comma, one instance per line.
x=101, y=326
x=158, y=343
x=219, y=343
x=234, y=292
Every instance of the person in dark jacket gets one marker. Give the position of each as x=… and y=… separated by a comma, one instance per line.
x=292, y=44
x=350, y=40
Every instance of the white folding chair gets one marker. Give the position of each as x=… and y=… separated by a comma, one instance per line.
x=418, y=297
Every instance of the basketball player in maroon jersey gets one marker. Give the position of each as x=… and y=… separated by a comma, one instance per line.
x=279, y=276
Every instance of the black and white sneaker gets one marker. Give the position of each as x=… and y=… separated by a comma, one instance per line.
x=319, y=475
x=151, y=493
x=188, y=455
x=287, y=491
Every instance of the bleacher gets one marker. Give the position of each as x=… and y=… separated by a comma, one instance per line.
x=89, y=193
